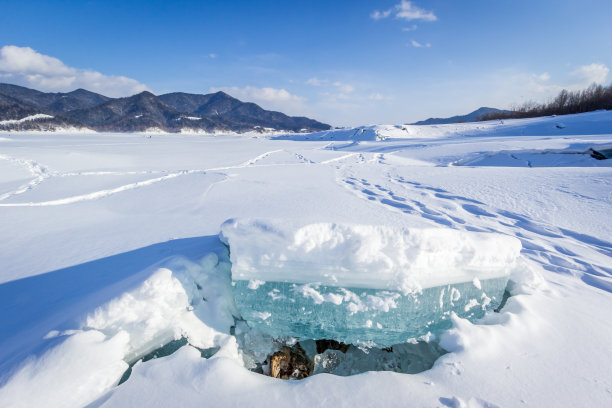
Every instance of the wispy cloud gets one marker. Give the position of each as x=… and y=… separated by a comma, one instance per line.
x=540, y=83
x=417, y=44
x=514, y=86
x=317, y=82
x=405, y=10
x=270, y=98
x=339, y=86
x=592, y=73
x=343, y=87
x=578, y=79
x=411, y=28
x=25, y=66
x=379, y=15
x=261, y=94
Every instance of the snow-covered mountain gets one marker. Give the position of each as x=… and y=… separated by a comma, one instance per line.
x=470, y=117
x=170, y=112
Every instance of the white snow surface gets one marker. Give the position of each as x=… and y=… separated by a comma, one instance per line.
x=366, y=256
x=110, y=246
x=26, y=119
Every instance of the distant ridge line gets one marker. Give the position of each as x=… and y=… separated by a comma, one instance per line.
x=171, y=112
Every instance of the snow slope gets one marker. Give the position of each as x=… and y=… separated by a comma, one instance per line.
x=110, y=246
x=26, y=119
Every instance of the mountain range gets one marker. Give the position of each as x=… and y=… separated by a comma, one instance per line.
x=22, y=108
x=475, y=116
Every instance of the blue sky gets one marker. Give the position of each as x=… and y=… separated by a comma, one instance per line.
x=342, y=62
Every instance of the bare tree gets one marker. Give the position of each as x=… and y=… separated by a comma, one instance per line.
x=566, y=102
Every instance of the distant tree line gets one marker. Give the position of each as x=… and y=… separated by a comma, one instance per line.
x=593, y=98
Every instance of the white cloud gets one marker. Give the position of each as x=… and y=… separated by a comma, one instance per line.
x=376, y=96
x=341, y=87
x=545, y=76
x=592, y=73
x=511, y=86
x=411, y=28
x=262, y=94
x=578, y=79
x=317, y=82
x=25, y=66
x=334, y=96
x=269, y=98
x=540, y=83
x=417, y=44
x=212, y=55
x=344, y=88
x=405, y=10
x=379, y=15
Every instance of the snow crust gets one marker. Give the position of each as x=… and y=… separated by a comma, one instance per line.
x=365, y=256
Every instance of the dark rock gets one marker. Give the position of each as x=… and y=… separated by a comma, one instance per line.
x=290, y=363
x=601, y=152
x=323, y=345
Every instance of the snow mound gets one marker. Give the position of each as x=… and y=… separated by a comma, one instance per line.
x=363, y=256
x=168, y=304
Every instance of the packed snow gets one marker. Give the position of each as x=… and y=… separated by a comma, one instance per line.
x=111, y=249
x=366, y=256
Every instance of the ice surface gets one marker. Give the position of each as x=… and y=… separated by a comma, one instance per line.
x=361, y=284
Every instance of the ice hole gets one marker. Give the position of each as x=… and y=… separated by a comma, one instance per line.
x=310, y=357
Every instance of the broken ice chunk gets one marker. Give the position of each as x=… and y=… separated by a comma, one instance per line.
x=359, y=284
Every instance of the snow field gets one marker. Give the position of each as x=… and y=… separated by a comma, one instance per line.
x=83, y=292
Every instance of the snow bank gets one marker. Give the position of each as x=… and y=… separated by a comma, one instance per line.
x=168, y=304
x=362, y=256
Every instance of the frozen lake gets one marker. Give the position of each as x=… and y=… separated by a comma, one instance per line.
x=110, y=243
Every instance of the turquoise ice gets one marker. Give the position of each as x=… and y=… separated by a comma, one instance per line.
x=361, y=316
x=359, y=284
